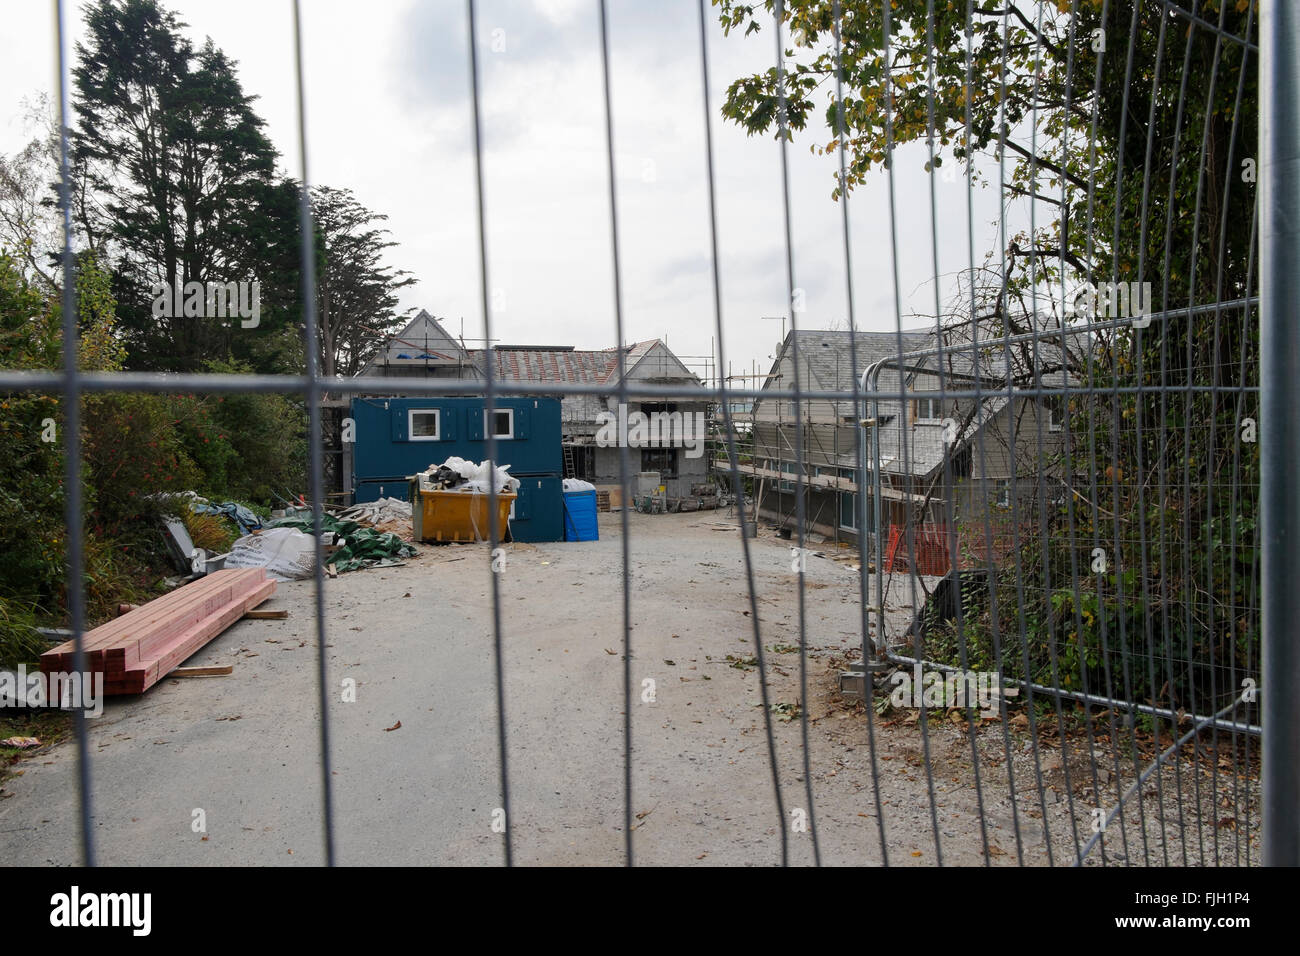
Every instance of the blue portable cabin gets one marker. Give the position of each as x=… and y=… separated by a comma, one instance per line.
x=397, y=437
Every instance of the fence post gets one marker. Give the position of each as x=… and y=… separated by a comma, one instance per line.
x=1280, y=426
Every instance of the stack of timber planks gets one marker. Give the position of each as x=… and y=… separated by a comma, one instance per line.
x=143, y=646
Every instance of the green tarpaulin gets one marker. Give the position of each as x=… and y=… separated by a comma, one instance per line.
x=363, y=547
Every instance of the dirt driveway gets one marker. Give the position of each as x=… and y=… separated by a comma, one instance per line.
x=241, y=753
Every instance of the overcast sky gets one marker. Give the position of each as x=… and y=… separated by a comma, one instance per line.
x=388, y=116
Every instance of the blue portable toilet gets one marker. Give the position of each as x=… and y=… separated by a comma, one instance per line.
x=398, y=437
x=580, y=516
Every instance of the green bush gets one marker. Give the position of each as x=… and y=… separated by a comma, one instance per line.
x=133, y=450
x=19, y=641
x=31, y=499
x=267, y=437
x=248, y=448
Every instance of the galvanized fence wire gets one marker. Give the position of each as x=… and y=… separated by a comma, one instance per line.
x=1159, y=665
x=494, y=518
x=800, y=496
x=905, y=447
x=1279, y=554
x=316, y=446
x=949, y=516
x=733, y=457
x=868, y=648
x=72, y=442
x=623, y=469
x=1089, y=386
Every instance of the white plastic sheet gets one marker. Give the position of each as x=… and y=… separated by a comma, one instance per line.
x=476, y=476
x=286, y=553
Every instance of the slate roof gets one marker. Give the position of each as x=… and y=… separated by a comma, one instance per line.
x=827, y=357
x=426, y=346
x=577, y=366
x=548, y=365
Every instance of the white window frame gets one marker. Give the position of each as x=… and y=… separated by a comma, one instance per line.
x=437, y=424
x=1053, y=423
x=1002, y=493
x=487, y=423
x=934, y=399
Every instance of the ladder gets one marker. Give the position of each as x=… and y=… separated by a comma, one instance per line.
x=569, y=470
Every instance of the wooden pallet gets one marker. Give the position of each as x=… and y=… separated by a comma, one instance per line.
x=141, y=647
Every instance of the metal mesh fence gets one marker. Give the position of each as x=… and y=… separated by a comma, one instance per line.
x=1054, y=480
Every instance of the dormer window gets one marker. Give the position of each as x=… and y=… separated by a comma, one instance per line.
x=927, y=408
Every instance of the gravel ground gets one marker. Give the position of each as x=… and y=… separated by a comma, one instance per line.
x=417, y=641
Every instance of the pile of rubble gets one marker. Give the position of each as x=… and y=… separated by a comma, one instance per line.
x=391, y=515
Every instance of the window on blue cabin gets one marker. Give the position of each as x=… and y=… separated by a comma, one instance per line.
x=501, y=423
x=423, y=424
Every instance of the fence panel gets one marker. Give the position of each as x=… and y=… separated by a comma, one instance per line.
x=1053, y=480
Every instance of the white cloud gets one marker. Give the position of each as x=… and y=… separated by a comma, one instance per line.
x=388, y=113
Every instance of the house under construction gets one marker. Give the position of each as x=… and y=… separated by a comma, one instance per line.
x=672, y=456
x=984, y=457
